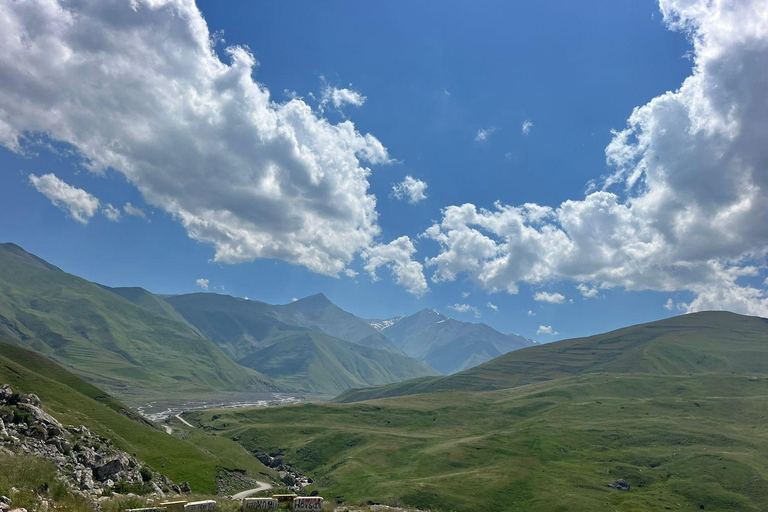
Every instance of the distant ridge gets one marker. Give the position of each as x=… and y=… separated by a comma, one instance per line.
x=710, y=341
x=446, y=344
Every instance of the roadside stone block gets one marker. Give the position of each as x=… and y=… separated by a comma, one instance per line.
x=260, y=504
x=307, y=504
x=200, y=506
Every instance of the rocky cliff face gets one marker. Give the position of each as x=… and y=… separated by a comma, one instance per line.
x=86, y=460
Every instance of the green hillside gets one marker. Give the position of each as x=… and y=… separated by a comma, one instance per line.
x=73, y=401
x=713, y=341
x=685, y=443
x=149, y=301
x=258, y=335
x=107, y=339
x=312, y=362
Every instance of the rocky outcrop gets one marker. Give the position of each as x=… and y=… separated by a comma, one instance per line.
x=619, y=485
x=87, y=461
x=290, y=476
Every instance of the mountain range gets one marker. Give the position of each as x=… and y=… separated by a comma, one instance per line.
x=446, y=344
x=139, y=345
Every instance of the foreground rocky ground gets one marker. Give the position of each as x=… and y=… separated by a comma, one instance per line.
x=88, y=463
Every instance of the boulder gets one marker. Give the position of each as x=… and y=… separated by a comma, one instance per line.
x=619, y=485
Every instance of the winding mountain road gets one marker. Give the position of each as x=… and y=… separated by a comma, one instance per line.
x=263, y=486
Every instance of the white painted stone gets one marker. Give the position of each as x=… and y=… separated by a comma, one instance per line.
x=260, y=504
x=307, y=504
x=200, y=506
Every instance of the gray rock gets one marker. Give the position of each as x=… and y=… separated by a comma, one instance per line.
x=619, y=485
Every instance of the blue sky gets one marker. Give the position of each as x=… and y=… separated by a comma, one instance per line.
x=433, y=75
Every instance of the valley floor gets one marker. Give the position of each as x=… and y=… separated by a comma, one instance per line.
x=681, y=442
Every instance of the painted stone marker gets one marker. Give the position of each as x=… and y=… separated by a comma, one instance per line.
x=260, y=504
x=200, y=506
x=174, y=506
x=304, y=504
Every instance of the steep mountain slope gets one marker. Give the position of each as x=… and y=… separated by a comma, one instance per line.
x=713, y=341
x=256, y=335
x=312, y=362
x=446, y=344
x=73, y=401
x=318, y=313
x=149, y=301
x=106, y=338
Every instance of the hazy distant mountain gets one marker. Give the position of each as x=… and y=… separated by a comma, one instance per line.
x=318, y=313
x=446, y=344
x=111, y=341
x=287, y=343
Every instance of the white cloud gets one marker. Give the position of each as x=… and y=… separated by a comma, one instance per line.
x=552, y=298
x=350, y=273
x=136, y=87
x=465, y=308
x=294, y=299
x=484, y=133
x=133, y=211
x=493, y=307
x=465, y=294
x=527, y=125
x=588, y=292
x=546, y=329
x=531, y=313
x=411, y=189
x=685, y=206
x=111, y=212
x=78, y=203
x=340, y=97
x=203, y=283
x=398, y=257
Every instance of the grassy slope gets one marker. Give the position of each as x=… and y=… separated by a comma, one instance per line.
x=254, y=335
x=549, y=446
x=73, y=401
x=313, y=362
x=106, y=338
x=700, y=342
x=668, y=406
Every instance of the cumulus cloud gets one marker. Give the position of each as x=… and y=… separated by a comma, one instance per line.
x=203, y=283
x=465, y=308
x=338, y=98
x=133, y=211
x=484, y=133
x=527, y=126
x=398, y=257
x=531, y=313
x=111, y=213
x=492, y=306
x=588, y=292
x=411, y=189
x=137, y=87
x=684, y=205
x=546, y=329
x=552, y=298
x=78, y=203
